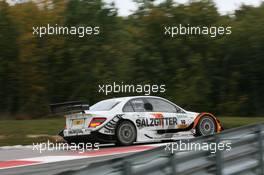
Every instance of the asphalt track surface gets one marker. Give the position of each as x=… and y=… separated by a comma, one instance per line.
x=23, y=160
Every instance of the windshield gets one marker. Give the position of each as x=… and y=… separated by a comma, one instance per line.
x=105, y=105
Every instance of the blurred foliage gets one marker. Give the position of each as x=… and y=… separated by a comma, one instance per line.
x=223, y=75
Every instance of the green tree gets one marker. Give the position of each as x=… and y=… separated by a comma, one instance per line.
x=9, y=89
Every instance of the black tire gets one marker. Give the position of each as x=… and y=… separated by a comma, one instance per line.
x=206, y=126
x=126, y=133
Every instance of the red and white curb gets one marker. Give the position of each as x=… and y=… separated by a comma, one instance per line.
x=74, y=156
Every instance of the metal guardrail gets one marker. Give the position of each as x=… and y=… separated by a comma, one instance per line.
x=245, y=157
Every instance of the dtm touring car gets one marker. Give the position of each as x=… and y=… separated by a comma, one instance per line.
x=127, y=120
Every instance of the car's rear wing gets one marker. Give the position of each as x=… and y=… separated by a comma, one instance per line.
x=69, y=107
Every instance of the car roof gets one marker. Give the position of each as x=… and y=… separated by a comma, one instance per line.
x=132, y=97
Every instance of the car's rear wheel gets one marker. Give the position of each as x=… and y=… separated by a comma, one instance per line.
x=206, y=126
x=126, y=133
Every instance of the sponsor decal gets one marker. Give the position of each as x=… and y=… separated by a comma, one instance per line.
x=182, y=124
x=109, y=128
x=151, y=122
x=159, y=116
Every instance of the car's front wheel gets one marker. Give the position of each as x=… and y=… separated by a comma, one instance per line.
x=126, y=133
x=206, y=126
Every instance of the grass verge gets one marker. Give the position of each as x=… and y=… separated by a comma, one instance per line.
x=25, y=132
x=233, y=122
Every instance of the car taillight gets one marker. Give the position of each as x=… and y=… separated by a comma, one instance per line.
x=96, y=122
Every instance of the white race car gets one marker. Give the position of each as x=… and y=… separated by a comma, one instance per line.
x=127, y=120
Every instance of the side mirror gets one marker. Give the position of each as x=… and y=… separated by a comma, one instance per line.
x=148, y=107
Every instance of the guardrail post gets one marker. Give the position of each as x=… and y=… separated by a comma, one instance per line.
x=127, y=168
x=218, y=155
x=172, y=163
x=260, y=145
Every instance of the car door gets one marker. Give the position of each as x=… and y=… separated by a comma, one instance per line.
x=171, y=116
x=164, y=112
x=134, y=111
x=152, y=115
